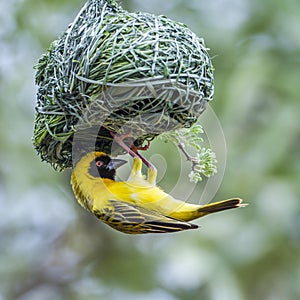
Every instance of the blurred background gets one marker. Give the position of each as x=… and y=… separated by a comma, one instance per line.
x=50, y=248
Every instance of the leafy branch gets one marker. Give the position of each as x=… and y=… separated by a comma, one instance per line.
x=204, y=162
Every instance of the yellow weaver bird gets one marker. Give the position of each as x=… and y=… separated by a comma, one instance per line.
x=136, y=205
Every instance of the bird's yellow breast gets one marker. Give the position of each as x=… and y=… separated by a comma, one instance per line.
x=94, y=193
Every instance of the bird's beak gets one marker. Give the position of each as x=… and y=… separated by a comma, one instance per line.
x=115, y=164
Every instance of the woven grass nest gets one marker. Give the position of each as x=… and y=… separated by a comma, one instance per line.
x=113, y=70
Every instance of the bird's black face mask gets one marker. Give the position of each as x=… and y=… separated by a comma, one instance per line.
x=105, y=167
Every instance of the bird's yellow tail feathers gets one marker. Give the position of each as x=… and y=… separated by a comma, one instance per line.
x=220, y=205
x=189, y=212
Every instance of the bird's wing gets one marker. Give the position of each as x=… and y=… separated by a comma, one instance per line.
x=134, y=219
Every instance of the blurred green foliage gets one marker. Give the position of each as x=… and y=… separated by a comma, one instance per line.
x=52, y=249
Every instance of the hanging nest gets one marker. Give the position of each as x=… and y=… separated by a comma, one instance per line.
x=115, y=71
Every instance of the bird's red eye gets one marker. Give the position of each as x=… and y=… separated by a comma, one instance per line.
x=99, y=163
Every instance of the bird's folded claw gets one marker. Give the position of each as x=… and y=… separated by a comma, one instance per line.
x=133, y=153
x=152, y=174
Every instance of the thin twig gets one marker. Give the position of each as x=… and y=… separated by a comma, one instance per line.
x=190, y=158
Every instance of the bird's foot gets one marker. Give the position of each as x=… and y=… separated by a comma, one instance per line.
x=132, y=150
x=143, y=148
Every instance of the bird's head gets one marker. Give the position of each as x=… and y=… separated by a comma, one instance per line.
x=101, y=165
